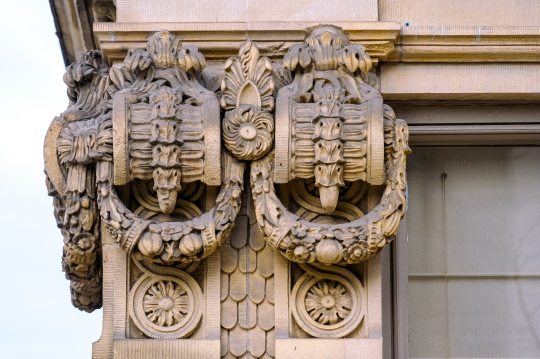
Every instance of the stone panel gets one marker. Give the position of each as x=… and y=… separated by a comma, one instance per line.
x=441, y=13
x=223, y=10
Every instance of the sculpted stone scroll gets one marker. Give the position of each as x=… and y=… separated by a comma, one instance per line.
x=150, y=124
x=332, y=126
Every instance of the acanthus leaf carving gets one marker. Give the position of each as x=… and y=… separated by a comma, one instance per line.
x=247, y=95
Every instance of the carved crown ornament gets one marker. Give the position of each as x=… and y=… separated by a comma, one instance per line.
x=139, y=149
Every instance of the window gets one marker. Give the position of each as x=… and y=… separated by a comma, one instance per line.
x=473, y=227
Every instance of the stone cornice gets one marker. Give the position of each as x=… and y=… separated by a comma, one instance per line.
x=219, y=41
x=385, y=41
x=475, y=135
x=467, y=44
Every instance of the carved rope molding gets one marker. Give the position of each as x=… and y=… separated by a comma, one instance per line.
x=99, y=142
x=334, y=88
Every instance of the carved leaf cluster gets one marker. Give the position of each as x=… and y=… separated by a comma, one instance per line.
x=247, y=95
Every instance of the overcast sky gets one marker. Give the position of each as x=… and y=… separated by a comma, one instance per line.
x=38, y=320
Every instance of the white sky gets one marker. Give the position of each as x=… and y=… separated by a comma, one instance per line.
x=37, y=320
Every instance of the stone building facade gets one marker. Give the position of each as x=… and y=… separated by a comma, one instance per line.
x=231, y=178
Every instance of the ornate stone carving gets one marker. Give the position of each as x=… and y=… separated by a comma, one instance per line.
x=137, y=157
x=147, y=120
x=332, y=126
x=74, y=142
x=248, y=88
x=165, y=302
x=329, y=302
x=247, y=294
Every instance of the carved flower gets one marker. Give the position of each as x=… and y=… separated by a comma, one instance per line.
x=299, y=230
x=301, y=251
x=357, y=252
x=328, y=302
x=166, y=303
x=248, y=132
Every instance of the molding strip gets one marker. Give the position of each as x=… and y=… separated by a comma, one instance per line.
x=475, y=135
x=220, y=40
x=467, y=44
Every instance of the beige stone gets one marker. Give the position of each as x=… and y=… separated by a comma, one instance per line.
x=442, y=13
x=222, y=11
x=221, y=40
x=467, y=44
x=460, y=81
x=140, y=147
x=461, y=73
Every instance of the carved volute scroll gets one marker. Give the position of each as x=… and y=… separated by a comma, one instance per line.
x=332, y=128
x=151, y=124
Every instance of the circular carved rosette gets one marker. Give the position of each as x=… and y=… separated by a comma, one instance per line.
x=329, y=304
x=248, y=132
x=166, y=307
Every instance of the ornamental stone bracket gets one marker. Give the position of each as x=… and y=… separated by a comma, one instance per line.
x=147, y=168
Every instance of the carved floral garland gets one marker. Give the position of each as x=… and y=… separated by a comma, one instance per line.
x=182, y=244
x=78, y=158
x=341, y=244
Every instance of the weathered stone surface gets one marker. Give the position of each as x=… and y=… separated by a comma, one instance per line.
x=138, y=155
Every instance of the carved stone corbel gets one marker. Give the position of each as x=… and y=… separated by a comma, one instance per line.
x=137, y=158
x=333, y=129
x=150, y=124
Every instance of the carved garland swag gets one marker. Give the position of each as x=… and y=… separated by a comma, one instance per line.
x=332, y=109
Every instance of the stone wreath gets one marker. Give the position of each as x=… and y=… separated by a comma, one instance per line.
x=328, y=244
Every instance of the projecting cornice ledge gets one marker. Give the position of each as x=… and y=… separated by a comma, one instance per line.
x=467, y=44
x=220, y=40
x=385, y=41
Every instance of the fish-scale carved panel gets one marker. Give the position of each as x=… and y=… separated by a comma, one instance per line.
x=247, y=279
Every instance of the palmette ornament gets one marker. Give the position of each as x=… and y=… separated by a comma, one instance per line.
x=248, y=88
